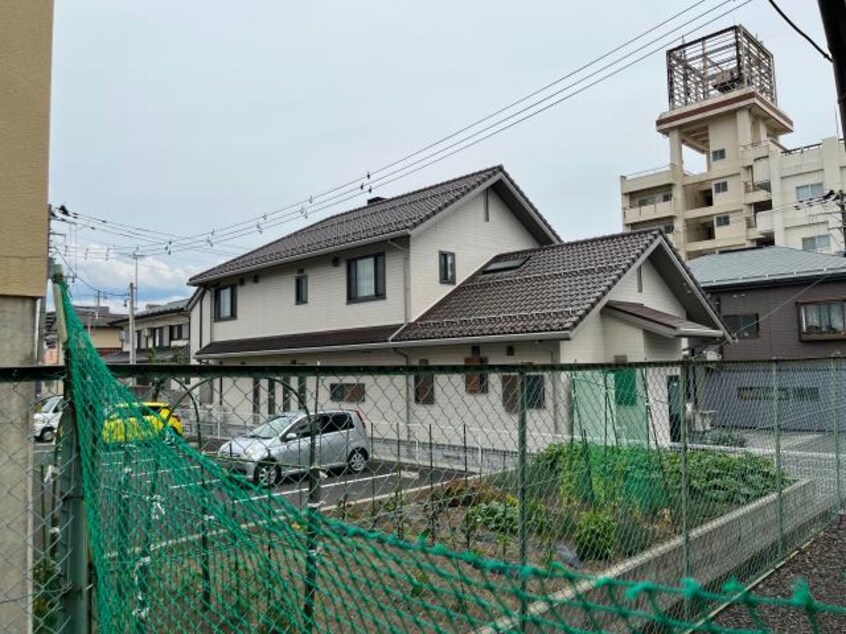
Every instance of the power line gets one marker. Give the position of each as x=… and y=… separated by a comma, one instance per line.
x=798, y=30
x=356, y=187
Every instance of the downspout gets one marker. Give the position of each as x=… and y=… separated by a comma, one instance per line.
x=406, y=317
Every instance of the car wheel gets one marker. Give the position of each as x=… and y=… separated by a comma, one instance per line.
x=357, y=461
x=266, y=474
x=47, y=435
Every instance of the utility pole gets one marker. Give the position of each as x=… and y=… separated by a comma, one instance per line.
x=132, y=338
x=833, y=13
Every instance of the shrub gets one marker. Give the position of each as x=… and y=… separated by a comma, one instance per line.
x=595, y=535
x=499, y=517
x=460, y=493
x=631, y=534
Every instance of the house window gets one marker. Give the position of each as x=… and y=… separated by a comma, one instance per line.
x=718, y=155
x=446, y=266
x=178, y=331
x=347, y=392
x=535, y=391
x=816, y=243
x=640, y=279
x=487, y=209
x=366, y=278
x=139, y=339
x=722, y=220
x=743, y=326
x=822, y=320
x=424, y=386
x=224, y=303
x=807, y=192
x=301, y=289
x=721, y=187
x=158, y=337
x=476, y=383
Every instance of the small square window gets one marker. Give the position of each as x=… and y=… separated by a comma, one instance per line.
x=723, y=220
x=301, y=289
x=721, y=187
x=718, y=155
x=446, y=267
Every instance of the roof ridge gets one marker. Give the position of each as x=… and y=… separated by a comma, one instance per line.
x=607, y=236
x=338, y=218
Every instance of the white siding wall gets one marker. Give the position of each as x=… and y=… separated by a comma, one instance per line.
x=464, y=232
x=267, y=307
x=656, y=294
x=622, y=340
x=587, y=345
x=200, y=319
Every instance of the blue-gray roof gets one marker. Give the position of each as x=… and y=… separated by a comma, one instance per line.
x=755, y=267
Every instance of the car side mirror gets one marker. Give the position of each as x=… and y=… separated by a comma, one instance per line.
x=290, y=436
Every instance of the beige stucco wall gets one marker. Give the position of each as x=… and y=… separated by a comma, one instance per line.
x=26, y=29
x=462, y=231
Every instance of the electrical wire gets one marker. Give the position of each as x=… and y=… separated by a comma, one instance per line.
x=798, y=30
x=247, y=227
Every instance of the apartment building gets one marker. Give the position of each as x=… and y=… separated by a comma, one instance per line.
x=754, y=190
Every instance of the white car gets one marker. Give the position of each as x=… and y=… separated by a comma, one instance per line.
x=46, y=419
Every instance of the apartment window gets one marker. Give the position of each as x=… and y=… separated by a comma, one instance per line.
x=178, y=331
x=806, y=192
x=816, y=243
x=424, y=386
x=476, y=383
x=366, y=278
x=666, y=197
x=721, y=187
x=301, y=289
x=347, y=392
x=805, y=394
x=822, y=320
x=224, y=303
x=718, y=155
x=723, y=220
x=446, y=266
x=743, y=326
x=758, y=393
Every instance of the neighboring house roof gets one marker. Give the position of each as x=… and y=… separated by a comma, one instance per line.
x=176, y=306
x=384, y=219
x=765, y=266
x=658, y=321
x=544, y=292
x=552, y=291
x=181, y=354
x=322, y=339
x=89, y=316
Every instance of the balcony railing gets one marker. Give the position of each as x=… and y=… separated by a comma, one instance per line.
x=648, y=212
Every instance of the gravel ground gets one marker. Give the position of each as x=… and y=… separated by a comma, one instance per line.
x=823, y=565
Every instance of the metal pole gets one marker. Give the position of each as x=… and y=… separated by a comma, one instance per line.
x=522, y=528
x=777, y=429
x=834, y=398
x=685, y=485
x=313, y=508
x=132, y=339
x=73, y=541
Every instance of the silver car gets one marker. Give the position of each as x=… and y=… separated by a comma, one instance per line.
x=281, y=445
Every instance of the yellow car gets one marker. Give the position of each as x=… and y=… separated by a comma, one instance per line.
x=120, y=429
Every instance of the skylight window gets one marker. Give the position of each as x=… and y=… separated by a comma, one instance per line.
x=505, y=265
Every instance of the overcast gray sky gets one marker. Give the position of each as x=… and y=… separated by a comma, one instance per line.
x=186, y=116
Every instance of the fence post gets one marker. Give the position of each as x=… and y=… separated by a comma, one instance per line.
x=73, y=542
x=522, y=528
x=313, y=508
x=833, y=399
x=777, y=431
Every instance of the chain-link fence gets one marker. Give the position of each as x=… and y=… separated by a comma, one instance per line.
x=32, y=550
x=641, y=473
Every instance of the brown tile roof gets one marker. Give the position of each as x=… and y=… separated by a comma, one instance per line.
x=383, y=219
x=683, y=327
x=553, y=290
x=321, y=339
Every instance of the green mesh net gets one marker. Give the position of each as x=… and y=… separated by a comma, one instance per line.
x=179, y=545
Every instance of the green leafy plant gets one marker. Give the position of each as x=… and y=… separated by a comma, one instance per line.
x=499, y=517
x=595, y=535
x=632, y=534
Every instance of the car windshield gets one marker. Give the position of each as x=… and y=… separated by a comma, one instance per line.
x=273, y=428
x=50, y=404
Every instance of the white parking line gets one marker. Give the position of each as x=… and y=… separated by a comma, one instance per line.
x=393, y=474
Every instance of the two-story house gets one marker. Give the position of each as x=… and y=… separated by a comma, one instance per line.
x=162, y=334
x=99, y=324
x=462, y=272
